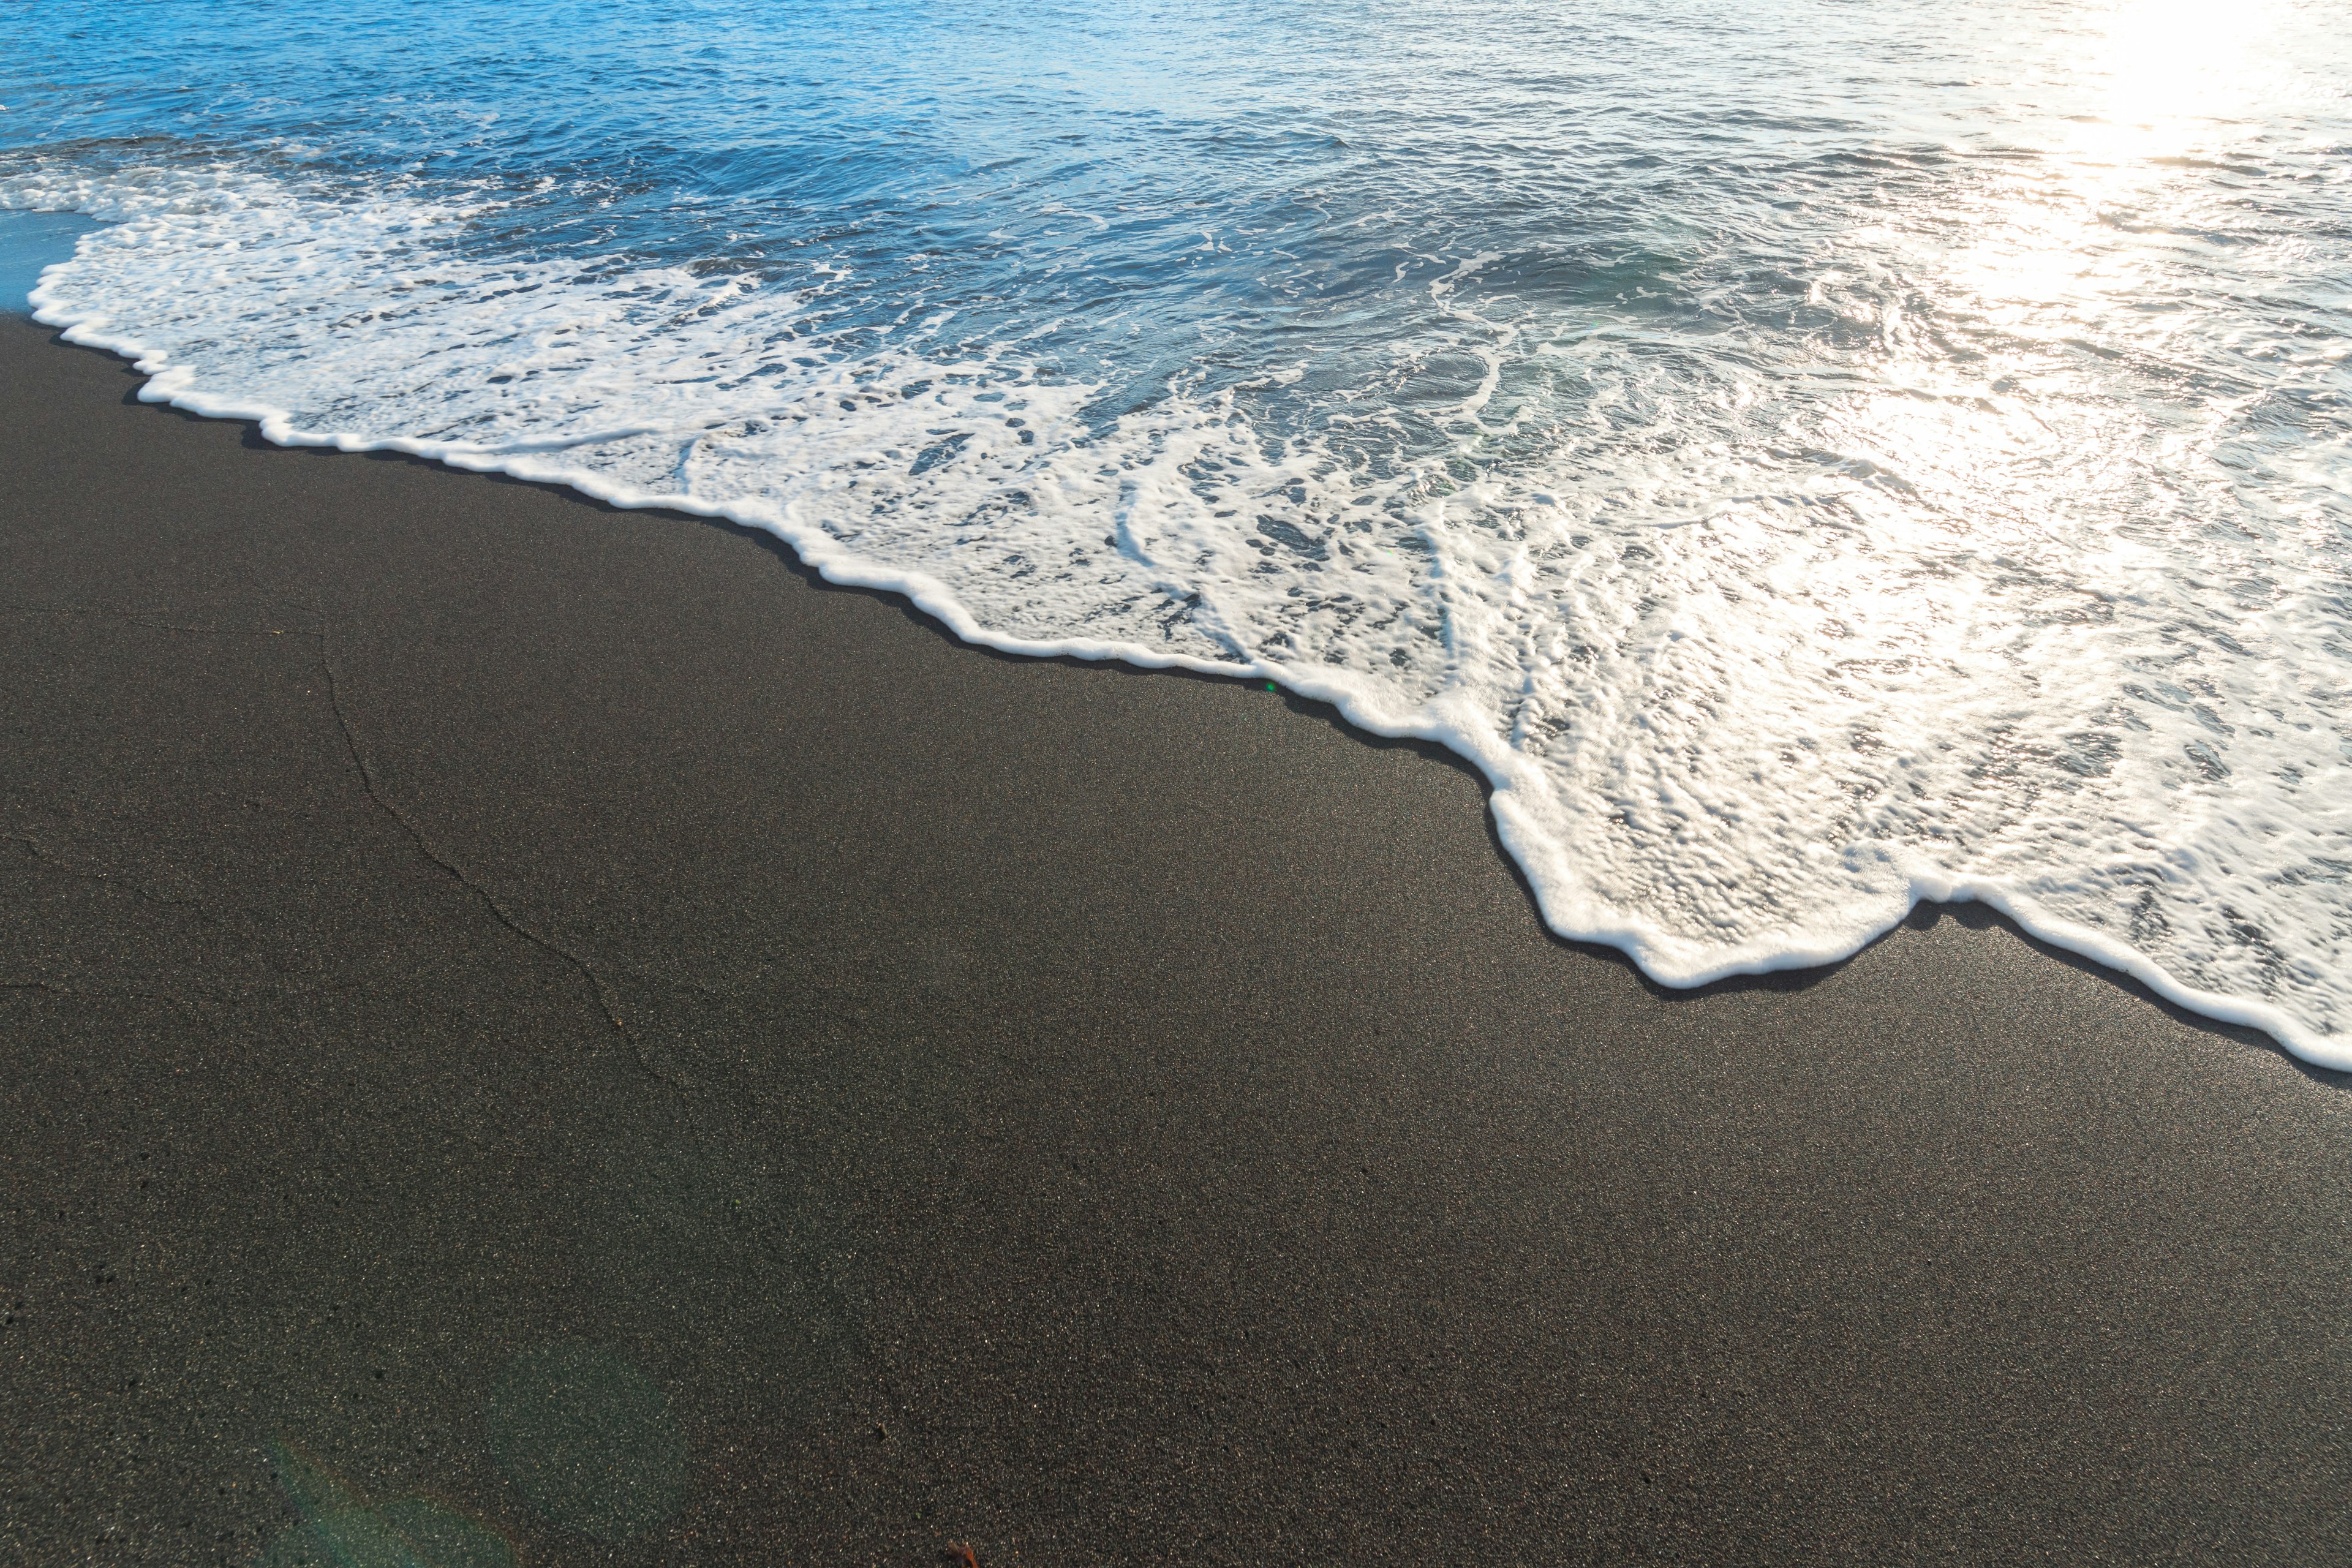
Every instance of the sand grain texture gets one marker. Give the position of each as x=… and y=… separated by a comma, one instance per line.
x=448, y=927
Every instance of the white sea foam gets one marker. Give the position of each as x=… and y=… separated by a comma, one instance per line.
x=1755, y=653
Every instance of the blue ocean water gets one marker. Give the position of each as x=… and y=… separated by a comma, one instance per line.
x=1810, y=455
x=30, y=243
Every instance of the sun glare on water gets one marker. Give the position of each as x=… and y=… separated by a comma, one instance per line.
x=1997, y=316
x=2172, y=72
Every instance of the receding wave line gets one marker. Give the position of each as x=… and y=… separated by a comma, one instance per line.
x=1750, y=674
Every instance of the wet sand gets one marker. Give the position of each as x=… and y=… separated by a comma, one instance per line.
x=546, y=1021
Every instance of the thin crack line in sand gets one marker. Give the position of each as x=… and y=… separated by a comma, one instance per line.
x=586, y=970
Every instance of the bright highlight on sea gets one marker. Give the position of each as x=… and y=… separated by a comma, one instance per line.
x=1812, y=457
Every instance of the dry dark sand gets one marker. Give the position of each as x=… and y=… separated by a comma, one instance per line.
x=485, y=976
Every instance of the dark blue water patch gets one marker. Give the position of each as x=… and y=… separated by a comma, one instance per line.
x=29, y=242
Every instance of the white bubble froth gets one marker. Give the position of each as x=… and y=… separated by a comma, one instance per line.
x=1749, y=675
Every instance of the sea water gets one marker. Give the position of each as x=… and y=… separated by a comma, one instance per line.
x=29, y=243
x=1811, y=456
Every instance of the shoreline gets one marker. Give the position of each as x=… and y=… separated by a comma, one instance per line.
x=819, y=558
x=450, y=920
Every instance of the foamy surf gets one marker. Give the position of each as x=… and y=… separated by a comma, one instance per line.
x=1772, y=590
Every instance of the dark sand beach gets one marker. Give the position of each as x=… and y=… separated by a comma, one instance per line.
x=550, y=1011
